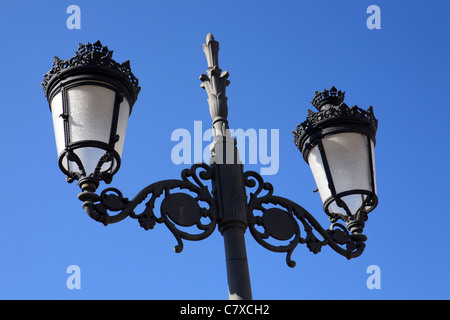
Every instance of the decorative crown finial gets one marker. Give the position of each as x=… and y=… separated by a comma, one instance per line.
x=92, y=54
x=332, y=96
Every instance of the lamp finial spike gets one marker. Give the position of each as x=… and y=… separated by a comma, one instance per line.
x=209, y=37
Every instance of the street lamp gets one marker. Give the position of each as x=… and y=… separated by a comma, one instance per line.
x=338, y=144
x=91, y=97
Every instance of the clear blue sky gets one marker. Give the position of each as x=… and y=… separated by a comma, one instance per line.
x=277, y=53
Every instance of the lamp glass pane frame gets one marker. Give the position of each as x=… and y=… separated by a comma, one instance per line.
x=73, y=147
x=337, y=161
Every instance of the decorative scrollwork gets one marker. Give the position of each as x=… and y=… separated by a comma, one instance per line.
x=176, y=209
x=281, y=224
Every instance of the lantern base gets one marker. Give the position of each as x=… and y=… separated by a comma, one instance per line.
x=355, y=226
x=88, y=184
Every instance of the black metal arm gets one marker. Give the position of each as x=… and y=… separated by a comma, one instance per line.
x=176, y=208
x=180, y=209
x=281, y=224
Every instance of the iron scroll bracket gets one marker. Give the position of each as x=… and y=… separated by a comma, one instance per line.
x=187, y=203
x=185, y=208
x=279, y=221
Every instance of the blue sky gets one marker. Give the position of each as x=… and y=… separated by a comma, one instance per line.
x=277, y=53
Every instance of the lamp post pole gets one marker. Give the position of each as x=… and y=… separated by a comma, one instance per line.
x=228, y=183
x=230, y=194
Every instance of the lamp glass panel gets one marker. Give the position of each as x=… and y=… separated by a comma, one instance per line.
x=348, y=159
x=90, y=113
x=90, y=110
x=372, y=146
x=317, y=168
x=124, y=114
x=58, y=122
x=353, y=202
x=89, y=157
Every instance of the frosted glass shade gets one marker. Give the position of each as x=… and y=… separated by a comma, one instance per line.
x=351, y=171
x=89, y=121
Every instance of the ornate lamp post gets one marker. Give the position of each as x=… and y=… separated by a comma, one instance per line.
x=91, y=97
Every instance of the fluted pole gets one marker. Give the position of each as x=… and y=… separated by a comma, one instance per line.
x=228, y=182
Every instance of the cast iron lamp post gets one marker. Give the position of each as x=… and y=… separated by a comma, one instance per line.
x=91, y=97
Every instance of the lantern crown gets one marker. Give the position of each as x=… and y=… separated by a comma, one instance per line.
x=332, y=112
x=332, y=96
x=91, y=55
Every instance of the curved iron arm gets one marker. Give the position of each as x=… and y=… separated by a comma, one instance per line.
x=176, y=208
x=281, y=224
x=181, y=209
